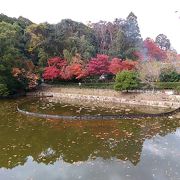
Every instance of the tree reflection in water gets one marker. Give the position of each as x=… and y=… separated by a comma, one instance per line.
x=47, y=141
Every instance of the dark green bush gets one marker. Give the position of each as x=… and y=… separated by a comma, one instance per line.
x=98, y=85
x=178, y=88
x=167, y=85
x=3, y=90
x=169, y=76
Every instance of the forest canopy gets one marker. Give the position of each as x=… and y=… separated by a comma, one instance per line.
x=27, y=50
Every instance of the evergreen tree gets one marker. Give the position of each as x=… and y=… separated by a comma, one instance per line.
x=163, y=42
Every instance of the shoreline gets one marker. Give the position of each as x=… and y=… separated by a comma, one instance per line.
x=107, y=98
x=14, y=96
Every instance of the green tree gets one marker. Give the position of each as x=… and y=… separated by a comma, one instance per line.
x=10, y=42
x=12, y=55
x=9, y=82
x=43, y=57
x=68, y=55
x=126, y=80
x=169, y=76
x=118, y=45
x=36, y=35
x=76, y=38
x=4, y=90
x=132, y=35
x=132, y=31
x=126, y=38
x=163, y=42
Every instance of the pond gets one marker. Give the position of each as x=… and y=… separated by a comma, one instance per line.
x=35, y=149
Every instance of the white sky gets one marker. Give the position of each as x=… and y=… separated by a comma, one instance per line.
x=154, y=16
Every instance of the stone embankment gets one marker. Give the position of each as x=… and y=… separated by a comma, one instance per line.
x=108, y=98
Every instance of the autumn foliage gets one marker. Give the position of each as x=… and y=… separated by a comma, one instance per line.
x=152, y=51
x=98, y=65
x=101, y=64
x=51, y=72
x=60, y=69
x=28, y=78
x=117, y=65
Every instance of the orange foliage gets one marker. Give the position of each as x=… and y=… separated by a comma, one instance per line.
x=22, y=74
x=16, y=72
x=118, y=65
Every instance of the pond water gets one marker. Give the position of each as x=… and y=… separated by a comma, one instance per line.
x=58, y=107
x=45, y=149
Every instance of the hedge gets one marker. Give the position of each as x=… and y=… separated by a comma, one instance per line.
x=167, y=85
x=108, y=85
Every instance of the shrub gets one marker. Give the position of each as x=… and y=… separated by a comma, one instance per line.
x=126, y=80
x=4, y=90
x=98, y=85
x=178, y=88
x=169, y=76
x=167, y=85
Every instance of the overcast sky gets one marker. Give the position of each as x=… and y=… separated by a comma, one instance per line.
x=154, y=16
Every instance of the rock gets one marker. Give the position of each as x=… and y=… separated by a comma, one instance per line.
x=127, y=110
x=177, y=115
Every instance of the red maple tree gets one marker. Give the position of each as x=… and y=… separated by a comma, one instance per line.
x=59, y=69
x=118, y=65
x=54, y=69
x=152, y=51
x=51, y=72
x=98, y=65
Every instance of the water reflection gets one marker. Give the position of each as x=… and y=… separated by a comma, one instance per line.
x=59, y=107
x=116, y=146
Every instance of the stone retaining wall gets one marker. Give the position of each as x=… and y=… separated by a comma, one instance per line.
x=109, y=98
